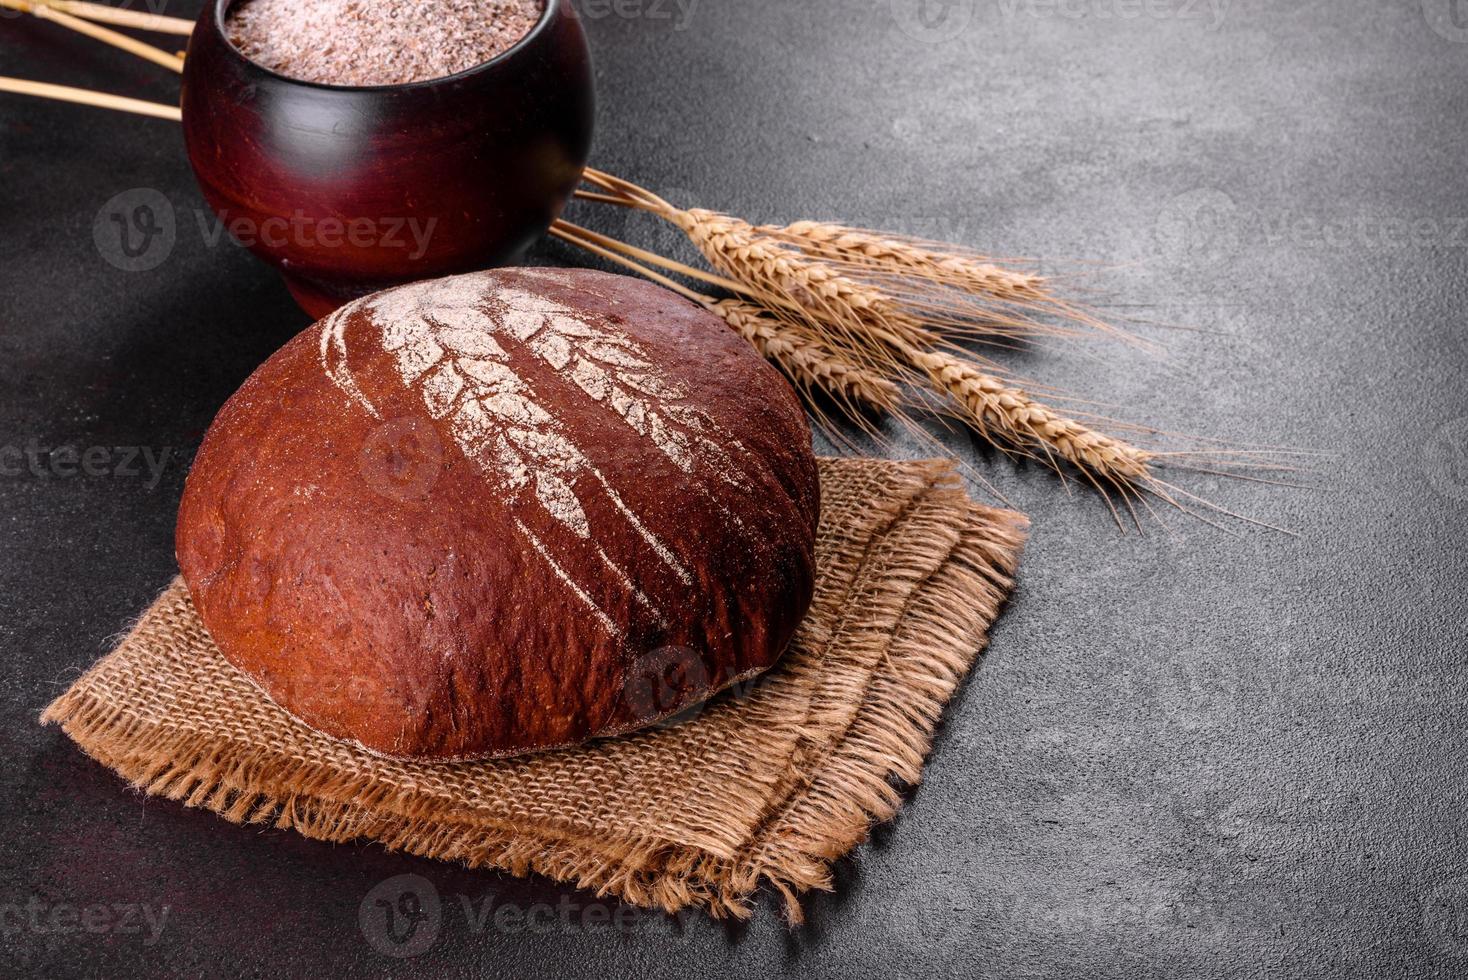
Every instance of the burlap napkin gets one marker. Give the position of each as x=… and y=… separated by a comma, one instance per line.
x=772, y=782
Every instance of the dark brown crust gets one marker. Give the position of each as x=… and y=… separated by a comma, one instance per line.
x=378, y=583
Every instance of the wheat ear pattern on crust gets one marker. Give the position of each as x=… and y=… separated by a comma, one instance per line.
x=448, y=339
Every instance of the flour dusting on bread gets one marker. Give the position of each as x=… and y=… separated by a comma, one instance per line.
x=448, y=339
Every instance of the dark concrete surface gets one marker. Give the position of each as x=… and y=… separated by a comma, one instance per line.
x=1192, y=754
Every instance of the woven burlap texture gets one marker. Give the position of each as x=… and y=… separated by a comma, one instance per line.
x=771, y=782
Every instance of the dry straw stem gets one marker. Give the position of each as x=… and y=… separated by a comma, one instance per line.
x=860, y=361
x=157, y=23
x=83, y=96
x=132, y=46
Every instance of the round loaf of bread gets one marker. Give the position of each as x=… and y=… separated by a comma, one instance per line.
x=503, y=512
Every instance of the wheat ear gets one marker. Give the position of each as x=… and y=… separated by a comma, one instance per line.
x=830, y=300
x=804, y=359
x=866, y=324
x=947, y=286
x=1001, y=410
x=807, y=361
x=894, y=253
x=938, y=287
x=803, y=289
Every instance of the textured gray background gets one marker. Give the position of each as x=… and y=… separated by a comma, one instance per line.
x=1195, y=754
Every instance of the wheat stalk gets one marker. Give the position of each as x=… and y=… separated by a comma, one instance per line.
x=806, y=360
x=942, y=288
x=778, y=274
x=84, y=96
x=809, y=289
x=1007, y=413
x=785, y=270
x=53, y=13
x=122, y=17
x=813, y=301
x=888, y=253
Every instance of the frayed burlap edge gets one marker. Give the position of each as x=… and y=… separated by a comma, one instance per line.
x=950, y=582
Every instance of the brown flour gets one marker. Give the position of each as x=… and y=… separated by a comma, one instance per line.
x=377, y=42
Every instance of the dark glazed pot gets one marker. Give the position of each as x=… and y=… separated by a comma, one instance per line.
x=351, y=189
